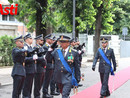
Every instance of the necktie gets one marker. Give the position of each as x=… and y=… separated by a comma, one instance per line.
x=64, y=53
x=104, y=50
x=30, y=47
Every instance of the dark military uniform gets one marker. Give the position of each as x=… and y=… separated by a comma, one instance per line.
x=18, y=71
x=30, y=68
x=48, y=73
x=39, y=75
x=80, y=55
x=78, y=48
x=53, y=85
x=104, y=69
x=61, y=75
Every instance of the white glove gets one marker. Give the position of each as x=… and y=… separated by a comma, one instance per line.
x=50, y=49
x=35, y=57
x=79, y=52
x=25, y=47
x=44, y=57
x=83, y=50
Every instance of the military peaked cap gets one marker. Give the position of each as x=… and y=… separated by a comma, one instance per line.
x=27, y=36
x=103, y=39
x=64, y=38
x=39, y=37
x=49, y=36
x=20, y=38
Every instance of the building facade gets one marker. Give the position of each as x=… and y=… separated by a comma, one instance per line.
x=9, y=25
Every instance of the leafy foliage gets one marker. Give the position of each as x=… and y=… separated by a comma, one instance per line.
x=27, y=13
x=86, y=13
x=122, y=16
x=59, y=14
x=64, y=13
x=6, y=46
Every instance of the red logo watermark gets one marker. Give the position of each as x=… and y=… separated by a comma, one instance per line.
x=9, y=10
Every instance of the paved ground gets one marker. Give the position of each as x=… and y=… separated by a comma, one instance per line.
x=91, y=78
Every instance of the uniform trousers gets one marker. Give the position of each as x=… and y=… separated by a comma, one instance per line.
x=65, y=89
x=48, y=76
x=38, y=82
x=27, y=89
x=17, y=85
x=53, y=85
x=104, y=80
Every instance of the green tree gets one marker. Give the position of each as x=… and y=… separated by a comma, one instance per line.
x=122, y=16
x=104, y=19
x=31, y=12
x=64, y=14
x=97, y=14
x=6, y=46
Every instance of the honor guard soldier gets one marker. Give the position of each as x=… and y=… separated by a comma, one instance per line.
x=105, y=55
x=80, y=51
x=30, y=66
x=53, y=85
x=18, y=71
x=41, y=63
x=66, y=64
x=49, y=67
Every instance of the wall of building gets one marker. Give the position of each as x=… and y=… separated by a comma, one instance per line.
x=114, y=43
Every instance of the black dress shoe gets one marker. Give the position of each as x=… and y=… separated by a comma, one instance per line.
x=47, y=96
x=101, y=96
x=79, y=85
x=107, y=95
x=37, y=97
x=55, y=93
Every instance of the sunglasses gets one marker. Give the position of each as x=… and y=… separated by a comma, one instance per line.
x=20, y=41
x=104, y=42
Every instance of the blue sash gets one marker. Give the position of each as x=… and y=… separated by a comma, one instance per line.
x=106, y=59
x=67, y=67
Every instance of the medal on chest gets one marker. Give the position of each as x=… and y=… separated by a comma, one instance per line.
x=70, y=57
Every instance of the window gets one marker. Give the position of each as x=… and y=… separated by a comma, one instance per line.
x=8, y=18
x=11, y=18
x=4, y=17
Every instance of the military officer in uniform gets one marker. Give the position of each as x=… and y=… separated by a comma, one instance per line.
x=49, y=67
x=105, y=67
x=18, y=71
x=66, y=61
x=79, y=49
x=41, y=63
x=53, y=85
x=30, y=67
x=76, y=45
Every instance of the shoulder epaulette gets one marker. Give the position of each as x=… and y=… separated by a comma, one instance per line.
x=100, y=47
x=36, y=46
x=59, y=48
x=71, y=47
x=74, y=50
x=46, y=44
